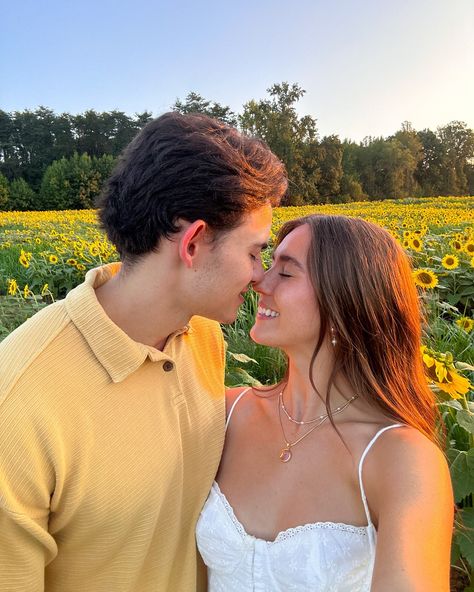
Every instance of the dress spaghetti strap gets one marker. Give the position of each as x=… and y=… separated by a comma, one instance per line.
x=234, y=404
x=361, y=485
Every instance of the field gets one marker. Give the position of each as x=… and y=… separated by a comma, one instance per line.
x=44, y=254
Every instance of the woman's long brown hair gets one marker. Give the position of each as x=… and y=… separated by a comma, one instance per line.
x=364, y=289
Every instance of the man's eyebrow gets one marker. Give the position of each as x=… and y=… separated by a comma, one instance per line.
x=288, y=259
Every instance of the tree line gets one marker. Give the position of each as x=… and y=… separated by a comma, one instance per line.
x=60, y=161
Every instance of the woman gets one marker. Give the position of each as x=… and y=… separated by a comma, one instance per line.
x=333, y=479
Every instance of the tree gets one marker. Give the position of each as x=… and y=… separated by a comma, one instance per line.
x=125, y=128
x=22, y=197
x=431, y=168
x=291, y=138
x=4, y=192
x=330, y=163
x=104, y=166
x=351, y=185
x=70, y=183
x=195, y=103
x=386, y=168
x=351, y=189
x=8, y=162
x=458, y=143
x=410, y=141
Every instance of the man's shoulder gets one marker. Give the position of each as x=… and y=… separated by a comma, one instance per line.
x=21, y=347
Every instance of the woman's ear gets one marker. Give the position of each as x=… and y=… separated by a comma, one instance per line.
x=191, y=240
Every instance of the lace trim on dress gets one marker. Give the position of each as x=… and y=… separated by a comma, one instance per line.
x=289, y=532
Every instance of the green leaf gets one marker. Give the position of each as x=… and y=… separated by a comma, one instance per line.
x=455, y=552
x=242, y=358
x=446, y=306
x=465, y=535
x=454, y=404
x=453, y=299
x=466, y=419
x=464, y=366
x=462, y=472
x=238, y=376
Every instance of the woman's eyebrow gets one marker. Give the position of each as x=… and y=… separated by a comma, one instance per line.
x=288, y=259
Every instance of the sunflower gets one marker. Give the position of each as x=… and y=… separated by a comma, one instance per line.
x=454, y=385
x=469, y=248
x=12, y=287
x=465, y=323
x=439, y=369
x=457, y=246
x=416, y=244
x=53, y=259
x=425, y=278
x=27, y=292
x=25, y=259
x=80, y=267
x=450, y=262
x=406, y=244
x=94, y=250
x=72, y=262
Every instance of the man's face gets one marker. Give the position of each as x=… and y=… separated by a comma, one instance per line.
x=232, y=265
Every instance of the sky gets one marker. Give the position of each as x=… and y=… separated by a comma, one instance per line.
x=366, y=65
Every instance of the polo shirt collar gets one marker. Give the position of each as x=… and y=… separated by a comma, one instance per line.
x=114, y=349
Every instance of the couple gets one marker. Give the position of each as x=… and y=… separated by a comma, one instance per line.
x=113, y=410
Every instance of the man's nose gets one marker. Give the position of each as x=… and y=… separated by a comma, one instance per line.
x=259, y=279
x=258, y=272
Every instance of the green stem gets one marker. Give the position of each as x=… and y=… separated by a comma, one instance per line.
x=465, y=406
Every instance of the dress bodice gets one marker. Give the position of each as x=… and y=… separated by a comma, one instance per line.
x=320, y=556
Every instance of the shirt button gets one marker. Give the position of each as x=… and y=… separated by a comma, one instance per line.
x=168, y=366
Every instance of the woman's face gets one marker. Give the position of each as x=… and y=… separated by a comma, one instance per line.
x=288, y=316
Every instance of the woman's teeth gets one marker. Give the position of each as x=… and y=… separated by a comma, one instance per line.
x=268, y=312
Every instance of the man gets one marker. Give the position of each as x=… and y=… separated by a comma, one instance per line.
x=111, y=401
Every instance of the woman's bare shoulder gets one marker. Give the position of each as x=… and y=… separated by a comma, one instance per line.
x=403, y=466
x=231, y=395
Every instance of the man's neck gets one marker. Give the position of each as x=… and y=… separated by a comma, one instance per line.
x=145, y=313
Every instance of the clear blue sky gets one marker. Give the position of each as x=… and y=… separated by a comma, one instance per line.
x=366, y=65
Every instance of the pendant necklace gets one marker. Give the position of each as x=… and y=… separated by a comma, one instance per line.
x=286, y=453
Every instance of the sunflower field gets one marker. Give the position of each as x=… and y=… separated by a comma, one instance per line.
x=45, y=254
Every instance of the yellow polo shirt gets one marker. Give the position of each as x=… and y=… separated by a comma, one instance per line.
x=108, y=449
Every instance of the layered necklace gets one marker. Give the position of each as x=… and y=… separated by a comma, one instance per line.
x=286, y=453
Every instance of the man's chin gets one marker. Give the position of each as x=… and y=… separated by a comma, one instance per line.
x=223, y=318
x=228, y=320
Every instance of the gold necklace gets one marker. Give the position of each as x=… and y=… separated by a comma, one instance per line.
x=285, y=453
x=292, y=419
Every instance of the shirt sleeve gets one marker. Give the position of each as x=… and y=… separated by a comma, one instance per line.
x=26, y=484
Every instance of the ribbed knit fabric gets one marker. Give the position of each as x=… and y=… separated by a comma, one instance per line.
x=108, y=449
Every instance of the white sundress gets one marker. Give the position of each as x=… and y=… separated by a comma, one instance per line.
x=317, y=557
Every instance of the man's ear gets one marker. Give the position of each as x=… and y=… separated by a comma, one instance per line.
x=192, y=238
